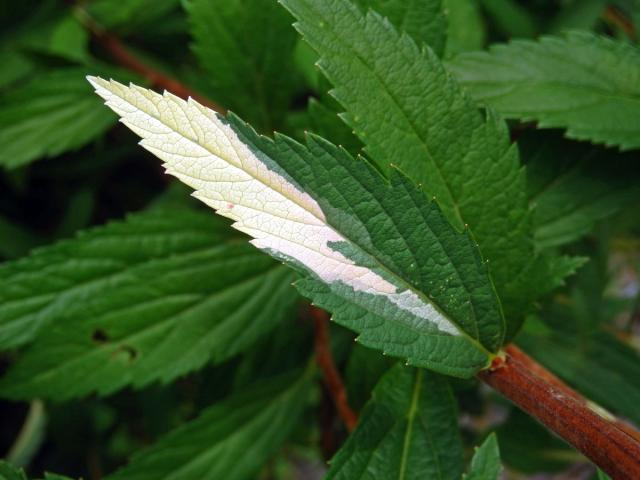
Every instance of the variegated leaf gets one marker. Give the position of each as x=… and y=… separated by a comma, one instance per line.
x=378, y=254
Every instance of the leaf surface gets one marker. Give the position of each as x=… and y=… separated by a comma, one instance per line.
x=424, y=20
x=246, y=47
x=572, y=186
x=407, y=430
x=511, y=18
x=466, y=28
x=586, y=83
x=377, y=254
x=421, y=121
x=230, y=440
x=485, y=464
x=148, y=299
x=132, y=15
x=9, y=472
x=49, y=115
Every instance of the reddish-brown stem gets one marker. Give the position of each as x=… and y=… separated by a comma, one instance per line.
x=611, y=444
x=123, y=56
x=332, y=378
x=613, y=16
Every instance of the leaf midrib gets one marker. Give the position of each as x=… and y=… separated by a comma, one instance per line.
x=411, y=415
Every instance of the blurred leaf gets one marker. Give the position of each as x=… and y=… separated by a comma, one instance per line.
x=530, y=448
x=77, y=214
x=149, y=286
x=132, y=15
x=586, y=83
x=485, y=464
x=15, y=66
x=9, y=472
x=305, y=58
x=246, y=47
x=15, y=240
x=364, y=369
x=559, y=268
x=577, y=14
x=424, y=20
x=511, y=18
x=326, y=122
x=62, y=35
x=51, y=114
x=572, y=186
x=407, y=430
x=466, y=28
x=49, y=28
x=602, y=476
x=230, y=440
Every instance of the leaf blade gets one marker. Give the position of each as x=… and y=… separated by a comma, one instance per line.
x=244, y=46
x=407, y=430
x=554, y=82
x=424, y=20
x=485, y=464
x=251, y=425
x=128, y=323
x=572, y=186
x=48, y=116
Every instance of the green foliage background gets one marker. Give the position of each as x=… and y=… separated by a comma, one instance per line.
x=142, y=338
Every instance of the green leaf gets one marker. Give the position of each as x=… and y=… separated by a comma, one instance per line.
x=15, y=66
x=131, y=15
x=246, y=47
x=40, y=288
x=558, y=268
x=602, y=475
x=326, y=122
x=586, y=83
x=9, y=472
x=577, y=14
x=528, y=447
x=15, y=240
x=510, y=18
x=466, y=28
x=364, y=369
x=377, y=253
x=62, y=36
x=424, y=20
x=572, y=186
x=121, y=303
x=485, y=464
x=49, y=115
x=408, y=111
x=407, y=430
x=230, y=440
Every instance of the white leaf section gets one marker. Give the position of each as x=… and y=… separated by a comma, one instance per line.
x=206, y=154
